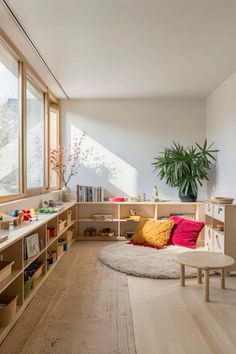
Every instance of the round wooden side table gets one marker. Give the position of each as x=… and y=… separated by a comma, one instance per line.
x=204, y=261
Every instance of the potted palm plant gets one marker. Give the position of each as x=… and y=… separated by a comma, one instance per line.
x=185, y=168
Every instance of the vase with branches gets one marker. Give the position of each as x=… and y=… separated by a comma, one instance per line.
x=65, y=162
x=185, y=168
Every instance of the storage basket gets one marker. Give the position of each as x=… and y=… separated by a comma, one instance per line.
x=61, y=226
x=70, y=234
x=60, y=249
x=5, y=269
x=27, y=286
x=7, y=309
x=69, y=217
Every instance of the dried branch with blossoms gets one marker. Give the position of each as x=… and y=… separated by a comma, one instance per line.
x=66, y=162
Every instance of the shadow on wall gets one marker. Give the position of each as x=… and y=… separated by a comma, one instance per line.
x=106, y=168
x=211, y=185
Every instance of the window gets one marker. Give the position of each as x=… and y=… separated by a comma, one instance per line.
x=10, y=124
x=35, y=122
x=53, y=140
x=29, y=127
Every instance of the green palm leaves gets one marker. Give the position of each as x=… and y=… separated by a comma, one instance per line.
x=185, y=168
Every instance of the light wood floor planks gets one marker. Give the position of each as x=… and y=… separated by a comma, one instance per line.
x=83, y=308
x=169, y=319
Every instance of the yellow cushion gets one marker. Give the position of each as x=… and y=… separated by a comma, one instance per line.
x=138, y=235
x=157, y=232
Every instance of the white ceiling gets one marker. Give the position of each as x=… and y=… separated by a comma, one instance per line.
x=130, y=48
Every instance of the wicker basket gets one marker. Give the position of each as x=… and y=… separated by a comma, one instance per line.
x=107, y=234
x=5, y=269
x=27, y=286
x=69, y=217
x=61, y=226
x=8, y=310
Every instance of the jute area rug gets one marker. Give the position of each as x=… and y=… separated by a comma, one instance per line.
x=144, y=261
x=82, y=308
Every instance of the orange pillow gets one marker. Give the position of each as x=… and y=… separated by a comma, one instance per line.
x=138, y=235
x=157, y=232
x=153, y=232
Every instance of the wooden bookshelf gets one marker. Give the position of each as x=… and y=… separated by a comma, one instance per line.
x=121, y=223
x=13, y=249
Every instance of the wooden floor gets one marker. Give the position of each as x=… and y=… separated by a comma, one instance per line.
x=169, y=319
x=82, y=308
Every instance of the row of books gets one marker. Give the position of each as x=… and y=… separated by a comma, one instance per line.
x=89, y=194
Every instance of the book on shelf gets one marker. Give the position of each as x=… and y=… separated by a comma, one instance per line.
x=89, y=194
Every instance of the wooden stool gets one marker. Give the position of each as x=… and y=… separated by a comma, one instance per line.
x=204, y=261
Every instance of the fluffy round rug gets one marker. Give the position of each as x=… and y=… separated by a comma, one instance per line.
x=143, y=261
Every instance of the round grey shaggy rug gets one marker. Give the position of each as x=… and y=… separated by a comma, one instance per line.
x=144, y=261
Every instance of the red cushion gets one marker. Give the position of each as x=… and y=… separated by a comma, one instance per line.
x=185, y=232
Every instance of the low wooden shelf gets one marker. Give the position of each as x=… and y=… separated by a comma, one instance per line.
x=121, y=223
x=13, y=248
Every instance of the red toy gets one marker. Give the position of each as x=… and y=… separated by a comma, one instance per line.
x=27, y=215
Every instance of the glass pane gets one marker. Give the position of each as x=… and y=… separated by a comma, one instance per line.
x=53, y=142
x=10, y=126
x=35, y=135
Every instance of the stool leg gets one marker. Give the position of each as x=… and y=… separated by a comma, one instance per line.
x=206, y=284
x=222, y=279
x=182, y=275
x=199, y=276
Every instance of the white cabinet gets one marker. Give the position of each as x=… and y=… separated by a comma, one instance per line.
x=220, y=229
x=208, y=238
x=209, y=209
x=218, y=242
x=219, y=212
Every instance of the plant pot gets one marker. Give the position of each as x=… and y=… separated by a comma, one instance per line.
x=189, y=197
x=66, y=194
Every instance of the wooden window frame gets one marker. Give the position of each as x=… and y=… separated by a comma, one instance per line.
x=27, y=70
x=56, y=106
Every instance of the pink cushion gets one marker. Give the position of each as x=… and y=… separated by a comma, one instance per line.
x=185, y=232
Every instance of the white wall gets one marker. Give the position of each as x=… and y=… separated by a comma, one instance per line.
x=221, y=128
x=126, y=135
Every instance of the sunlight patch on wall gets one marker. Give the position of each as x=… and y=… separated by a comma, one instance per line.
x=106, y=164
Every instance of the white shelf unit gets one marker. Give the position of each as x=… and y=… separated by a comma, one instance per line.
x=121, y=224
x=221, y=241
x=12, y=249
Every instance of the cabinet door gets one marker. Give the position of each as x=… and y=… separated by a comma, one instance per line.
x=208, y=238
x=218, y=242
x=219, y=212
x=209, y=209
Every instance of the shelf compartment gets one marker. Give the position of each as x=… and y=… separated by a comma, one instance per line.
x=42, y=232
x=146, y=210
x=14, y=252
x=98, y=226
x=85, y=211
x=15, y=288
x=52, y=228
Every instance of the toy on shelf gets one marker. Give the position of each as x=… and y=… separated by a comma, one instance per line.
x=107, y=232
x=90, y=231
x=5, y=220
x=133, y=215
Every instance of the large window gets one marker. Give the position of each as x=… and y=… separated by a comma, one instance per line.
x=10, y=124
x=35, y=113
x=29, y=127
